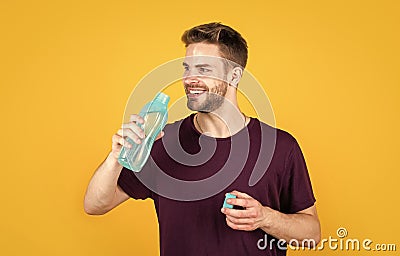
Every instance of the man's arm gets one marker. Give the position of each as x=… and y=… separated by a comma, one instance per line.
x=301, y=226
x=103, y=193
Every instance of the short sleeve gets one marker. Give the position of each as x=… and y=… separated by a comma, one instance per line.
x=132, y=186
x=297, y=193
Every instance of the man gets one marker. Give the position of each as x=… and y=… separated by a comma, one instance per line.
x=279, y=206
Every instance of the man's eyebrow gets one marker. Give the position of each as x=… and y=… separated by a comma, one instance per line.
x=203, y=65
x=198, y=65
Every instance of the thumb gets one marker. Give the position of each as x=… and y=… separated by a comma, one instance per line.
x=240, y=194
x=160, y=135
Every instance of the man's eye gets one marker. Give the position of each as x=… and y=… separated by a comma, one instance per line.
x=204, y=70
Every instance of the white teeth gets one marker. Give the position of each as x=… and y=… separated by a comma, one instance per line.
x=195, y=92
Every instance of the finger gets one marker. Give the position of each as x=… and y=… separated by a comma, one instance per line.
x=118, y=140
x=128, y=133
x=160, y=135
x=238, y=213
x=115, y=138
x=116, y=150
x=136, y=118
x=121, y=141
x=115, y=144
x=135, y=128
x=238, y=226
x=246, y=203
x=243, y=221
x=240, y=194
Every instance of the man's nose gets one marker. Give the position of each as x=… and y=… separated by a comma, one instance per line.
x=190, y=77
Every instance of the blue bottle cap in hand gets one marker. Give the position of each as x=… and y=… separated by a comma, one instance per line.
x=226, y=205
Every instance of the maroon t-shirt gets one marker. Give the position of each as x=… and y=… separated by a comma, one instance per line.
x=189, y=216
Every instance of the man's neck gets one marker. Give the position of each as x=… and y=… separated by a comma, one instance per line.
x=221, y=123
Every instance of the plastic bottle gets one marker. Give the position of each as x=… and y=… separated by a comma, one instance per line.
x=155, y=115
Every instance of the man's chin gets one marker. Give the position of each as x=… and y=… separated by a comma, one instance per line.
x=194, y=106
x=201, y=109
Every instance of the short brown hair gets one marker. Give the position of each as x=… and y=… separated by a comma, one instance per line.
x=231, y=44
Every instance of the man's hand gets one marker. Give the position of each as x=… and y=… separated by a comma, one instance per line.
x=129, y=130
x=301, y=226
x=252, y=217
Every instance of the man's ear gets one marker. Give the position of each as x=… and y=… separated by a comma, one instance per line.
x=234, y=76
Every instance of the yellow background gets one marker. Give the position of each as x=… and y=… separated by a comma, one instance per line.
x=330, y=68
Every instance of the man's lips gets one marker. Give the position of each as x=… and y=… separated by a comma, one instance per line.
x=195, y=91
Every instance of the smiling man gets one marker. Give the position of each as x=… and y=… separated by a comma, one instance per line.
x=281, y=205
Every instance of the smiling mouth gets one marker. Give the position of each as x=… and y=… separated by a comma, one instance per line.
x=195, y=92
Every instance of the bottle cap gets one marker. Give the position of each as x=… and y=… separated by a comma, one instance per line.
x=162, y=98
x=227, y=196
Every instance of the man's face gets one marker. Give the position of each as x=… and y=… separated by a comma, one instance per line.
x=204, y=77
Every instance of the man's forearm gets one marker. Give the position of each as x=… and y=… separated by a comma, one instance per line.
x=300, y=226
x=102, y=187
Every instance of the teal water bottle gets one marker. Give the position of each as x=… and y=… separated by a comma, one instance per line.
x=155, y=115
